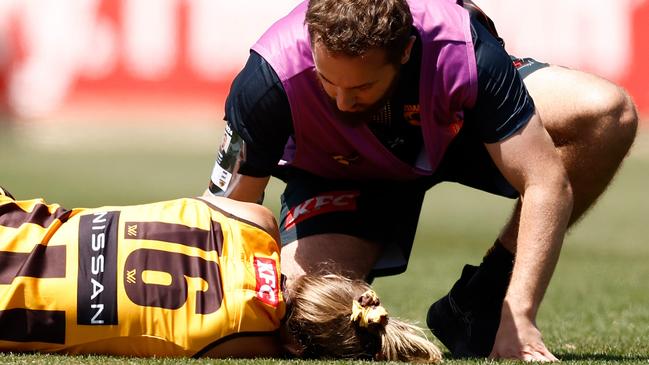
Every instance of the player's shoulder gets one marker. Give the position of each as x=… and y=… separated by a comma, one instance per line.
x=256, y=96
x=257, y=76
x=254, y=213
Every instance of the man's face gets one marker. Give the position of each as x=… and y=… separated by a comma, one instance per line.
x=358, y=86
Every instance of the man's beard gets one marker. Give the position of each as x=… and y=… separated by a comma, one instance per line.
x=365, y=116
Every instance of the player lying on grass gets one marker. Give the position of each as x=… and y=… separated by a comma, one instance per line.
x=187, y=277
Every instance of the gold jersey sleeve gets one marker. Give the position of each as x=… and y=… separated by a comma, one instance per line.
x=172, y=278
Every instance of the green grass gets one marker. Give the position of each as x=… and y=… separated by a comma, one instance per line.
x=596, y=310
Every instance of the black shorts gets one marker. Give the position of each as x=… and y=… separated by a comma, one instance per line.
x=386, y=212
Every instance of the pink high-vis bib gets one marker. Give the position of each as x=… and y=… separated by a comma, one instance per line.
x=326, y=146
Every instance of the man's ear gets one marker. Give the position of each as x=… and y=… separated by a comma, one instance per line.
x=406, y=52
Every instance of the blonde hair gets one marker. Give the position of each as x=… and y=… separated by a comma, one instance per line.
x=320, y=320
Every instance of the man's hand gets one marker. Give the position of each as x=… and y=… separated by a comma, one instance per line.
x=519, y=338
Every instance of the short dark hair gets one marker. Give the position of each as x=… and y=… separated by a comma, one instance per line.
x=352, y=27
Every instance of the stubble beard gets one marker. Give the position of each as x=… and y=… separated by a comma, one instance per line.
x=365, y=116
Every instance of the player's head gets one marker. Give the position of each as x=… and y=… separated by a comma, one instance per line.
x=330, y=316
x=358, y=46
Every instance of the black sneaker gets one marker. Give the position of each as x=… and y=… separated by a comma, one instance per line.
x=468, y=329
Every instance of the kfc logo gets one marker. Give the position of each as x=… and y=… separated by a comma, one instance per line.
x=335, y=201
x=267, y=281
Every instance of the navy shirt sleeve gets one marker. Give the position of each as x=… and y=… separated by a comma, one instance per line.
x=257, y=109
x=503, y=105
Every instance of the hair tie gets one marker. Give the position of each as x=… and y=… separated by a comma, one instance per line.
x=367, y=310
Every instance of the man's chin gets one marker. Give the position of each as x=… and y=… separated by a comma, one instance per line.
x=354, y=118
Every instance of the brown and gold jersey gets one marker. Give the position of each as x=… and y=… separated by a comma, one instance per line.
x=173, y=278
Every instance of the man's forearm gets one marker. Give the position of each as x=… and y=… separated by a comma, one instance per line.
x=543, y=223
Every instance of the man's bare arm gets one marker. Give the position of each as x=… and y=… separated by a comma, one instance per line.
x=532, y=165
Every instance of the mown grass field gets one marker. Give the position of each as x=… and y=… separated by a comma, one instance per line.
x=596, y=310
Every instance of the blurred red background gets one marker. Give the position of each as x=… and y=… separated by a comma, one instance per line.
x=175, y=59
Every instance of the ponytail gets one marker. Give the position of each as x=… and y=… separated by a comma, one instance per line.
x=331, y=316
x=402, y=341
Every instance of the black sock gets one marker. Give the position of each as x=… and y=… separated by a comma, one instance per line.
x=498, y=258
x=484, y=287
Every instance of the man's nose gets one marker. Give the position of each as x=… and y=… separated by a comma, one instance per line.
x=345, y=100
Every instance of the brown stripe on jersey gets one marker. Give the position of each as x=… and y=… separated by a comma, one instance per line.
x=177, y=233
x=29, y=325
x=13, y=216
x=42, y=262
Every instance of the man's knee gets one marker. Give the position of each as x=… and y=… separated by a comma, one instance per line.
x=628, y=120
x=614, y=114
x=581, y=108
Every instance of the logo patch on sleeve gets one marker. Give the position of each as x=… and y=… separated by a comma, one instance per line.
x=267, y=281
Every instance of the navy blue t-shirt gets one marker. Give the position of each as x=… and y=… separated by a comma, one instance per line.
x=257, y=107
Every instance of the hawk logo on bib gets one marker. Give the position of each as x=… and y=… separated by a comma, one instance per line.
x=412, y=114
x=267, y=281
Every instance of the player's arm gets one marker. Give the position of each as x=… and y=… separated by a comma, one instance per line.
x=226, y=179
x=530, y=162
x=258, y=124
x=525, y=154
